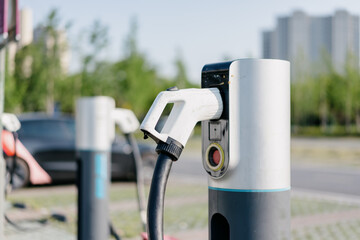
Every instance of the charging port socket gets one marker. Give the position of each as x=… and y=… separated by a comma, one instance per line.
x=215, y=157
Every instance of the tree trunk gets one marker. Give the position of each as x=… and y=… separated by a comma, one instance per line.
x=323, y=117
x=50, y=97
x=348, y=114
x=357, y=119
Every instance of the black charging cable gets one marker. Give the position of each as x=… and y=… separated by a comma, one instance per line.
x=14, y=162
x=12, y=172
x=113, y=232
x=156, y=197
x=168, y=152
x=140, y=182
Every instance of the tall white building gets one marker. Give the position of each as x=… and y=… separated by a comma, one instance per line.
x=307, y=40
x=26, y=33
x=26, y=27
x=29, y=35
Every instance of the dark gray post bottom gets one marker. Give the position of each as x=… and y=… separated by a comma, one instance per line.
x=93, y=174
x=249, y=215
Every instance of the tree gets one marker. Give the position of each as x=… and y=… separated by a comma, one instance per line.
x=95, y=71
x=38, y=69
x=351, y=92
x=138, y=80
x=53, y=57
x=133, y=81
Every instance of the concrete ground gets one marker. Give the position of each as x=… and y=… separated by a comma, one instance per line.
x=327, y=223
x=316, y=213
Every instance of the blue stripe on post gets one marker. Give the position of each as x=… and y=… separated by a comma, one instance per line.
x=249, y=190
x=100, y=175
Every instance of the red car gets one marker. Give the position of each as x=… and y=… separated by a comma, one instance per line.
x=27, y=169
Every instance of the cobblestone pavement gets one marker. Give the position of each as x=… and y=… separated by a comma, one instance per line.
x=315, y=216
x=36, y=231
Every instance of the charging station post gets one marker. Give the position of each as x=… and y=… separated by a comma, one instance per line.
x=2, y=161
x=94, y=135
x=9, y=31
x=244, y=106
x=96, y=118
x=246, y=152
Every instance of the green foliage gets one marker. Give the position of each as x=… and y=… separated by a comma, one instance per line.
x=181, y=79
x=323, y=99
x=138, y=83
x=29, y=79
x=132, y=81
x=328, y=98
x=37, y=71
x=39, y=82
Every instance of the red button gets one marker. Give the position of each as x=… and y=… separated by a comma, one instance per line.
x=216, y=157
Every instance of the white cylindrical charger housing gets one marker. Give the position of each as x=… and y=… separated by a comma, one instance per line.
x=246, y=152
x=95, y=113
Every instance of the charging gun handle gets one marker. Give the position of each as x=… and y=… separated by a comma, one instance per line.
x=126, y=120
x=190, y=107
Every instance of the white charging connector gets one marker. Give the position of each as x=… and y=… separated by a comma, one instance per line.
x=10, y=122
x=190, y=107
x=126, y=120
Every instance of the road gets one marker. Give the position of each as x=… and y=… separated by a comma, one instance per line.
x=344, y=181
x=324, y=179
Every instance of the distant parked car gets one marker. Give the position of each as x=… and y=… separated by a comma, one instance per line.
x=51, y=140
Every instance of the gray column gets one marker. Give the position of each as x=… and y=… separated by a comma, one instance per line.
x=94, y=135
x=247, y=151
x=2, y=161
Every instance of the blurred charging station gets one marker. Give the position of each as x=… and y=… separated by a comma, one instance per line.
x=244, y=106
x=94, y=134
x=9, y=31
x=96, y=118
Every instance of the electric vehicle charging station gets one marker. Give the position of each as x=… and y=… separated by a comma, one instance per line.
x=245, y=147
x=9, y=31
x=94, y=134
x=11, y=123
x=95, y=131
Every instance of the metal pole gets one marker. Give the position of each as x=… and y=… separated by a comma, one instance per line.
x=2, y=161
x=94, y=130
x=247, y=151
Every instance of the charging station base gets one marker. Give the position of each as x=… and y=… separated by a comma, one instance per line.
x=249, y=215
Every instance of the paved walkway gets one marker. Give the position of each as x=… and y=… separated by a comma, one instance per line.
x=52, y=230
x=36, y=231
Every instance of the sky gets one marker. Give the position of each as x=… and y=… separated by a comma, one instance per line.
x=198, y=31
